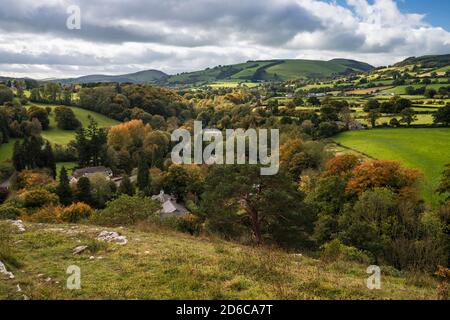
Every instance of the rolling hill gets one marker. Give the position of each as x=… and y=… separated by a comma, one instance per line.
x=271, y=70
x=147, y=76
x=264, y=70
x=431, y=61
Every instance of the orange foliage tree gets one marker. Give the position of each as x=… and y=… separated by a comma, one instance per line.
x=379, y=174
x=341, y=165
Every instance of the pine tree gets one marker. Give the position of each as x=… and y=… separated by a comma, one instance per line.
x=126, y=187
x=143, y=176
x=18, y=157
x=63, y=190
x=49, y=159
x=84, y=191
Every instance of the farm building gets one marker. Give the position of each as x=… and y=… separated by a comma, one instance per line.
x=170, y=206
x=86, y=172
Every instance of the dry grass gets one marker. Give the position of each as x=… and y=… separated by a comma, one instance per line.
x=161, y=264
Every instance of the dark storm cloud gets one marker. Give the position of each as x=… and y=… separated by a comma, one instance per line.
x=8, y=57
x=78, y=59
x=176, y=22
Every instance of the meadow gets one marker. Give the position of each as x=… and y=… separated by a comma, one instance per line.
x=59, y=136
x=425, y=149
x=163, y=264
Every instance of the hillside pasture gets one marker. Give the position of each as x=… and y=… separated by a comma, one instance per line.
x=426, y=149
x=59, y=136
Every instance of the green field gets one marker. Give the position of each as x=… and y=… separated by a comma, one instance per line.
x=293, y=69
x=274, y=70
x=425, y=149
x=402, y=89
x=58, y=136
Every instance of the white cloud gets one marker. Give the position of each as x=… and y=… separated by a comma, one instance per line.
x=184, y=35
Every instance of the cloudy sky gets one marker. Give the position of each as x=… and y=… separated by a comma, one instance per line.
x=121, y=36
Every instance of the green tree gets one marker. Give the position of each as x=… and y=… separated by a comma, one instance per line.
x=63, y=190
x=313, y=101
x=40, y=114
x=18, y=157
x=238, y=198
x=442, y=116
x=84, y=191
x=444, y=185
x=372, y=104
x=126, y=187
x=127, y=210
x=408, y=116
x=143, y=176
x=373, y=116
x=66, y=119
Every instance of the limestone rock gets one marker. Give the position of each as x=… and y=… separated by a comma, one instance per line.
x=111, y=236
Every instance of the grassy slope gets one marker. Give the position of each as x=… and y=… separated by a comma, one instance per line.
x=402, y=89
x=58, y=136
x=167, y=265
x=425, y=149
x=286, y=70
x=294, y=69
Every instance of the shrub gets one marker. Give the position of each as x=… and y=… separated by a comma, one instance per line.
x=3, y=195
x=126, y=210
x=28, y=179
x=48, y=214
x=189, y=224
x=10, y=212
x=39, y=198
x=336, y=250
x=6, y=171
x=76, y=212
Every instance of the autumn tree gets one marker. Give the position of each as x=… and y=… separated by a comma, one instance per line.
x=380, y=174
x=341, y=165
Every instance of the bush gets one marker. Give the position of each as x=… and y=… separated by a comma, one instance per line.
x=126, y=210
x=48, y=214
x=3, y=195
x=336, y=250
x=39, y=198
x=6, y=171
x=76, y=212
x=10, y=212
x=28, y=179
x=189, y=224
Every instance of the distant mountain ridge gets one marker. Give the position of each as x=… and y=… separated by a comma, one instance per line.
x=261, y=70
x=271, y=70
x=147, y=76
x=256, y=71
x=431, y=61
